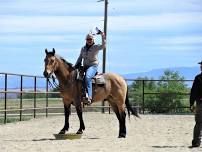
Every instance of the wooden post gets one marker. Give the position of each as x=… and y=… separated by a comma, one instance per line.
x=21, y=86
x=5, y=99
x=143, y=106
x=34, y=97
x=46, y=97
x=104, y=50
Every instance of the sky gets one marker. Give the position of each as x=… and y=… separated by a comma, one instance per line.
x=142, y=35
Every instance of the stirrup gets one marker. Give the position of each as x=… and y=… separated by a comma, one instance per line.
x=88, y=101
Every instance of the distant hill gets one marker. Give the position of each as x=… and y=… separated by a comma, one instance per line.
x=189, y=73
x=28, y=83
x=13, y=82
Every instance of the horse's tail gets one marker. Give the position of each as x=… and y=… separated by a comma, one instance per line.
x=134, y=110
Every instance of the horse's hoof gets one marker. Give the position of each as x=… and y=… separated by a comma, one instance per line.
x=62, y=132
x=79, y=132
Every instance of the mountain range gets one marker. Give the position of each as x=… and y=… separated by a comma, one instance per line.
x=188, y=73
x=28, y=82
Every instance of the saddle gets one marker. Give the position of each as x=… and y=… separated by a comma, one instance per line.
x=98, y=79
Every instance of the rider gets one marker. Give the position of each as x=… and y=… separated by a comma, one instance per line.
x=89, y=54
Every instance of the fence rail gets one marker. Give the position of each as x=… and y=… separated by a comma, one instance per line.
x=21, y=90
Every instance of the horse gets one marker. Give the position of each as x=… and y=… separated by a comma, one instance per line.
x=115, y=91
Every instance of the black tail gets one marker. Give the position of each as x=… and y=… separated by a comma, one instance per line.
x=134, y=111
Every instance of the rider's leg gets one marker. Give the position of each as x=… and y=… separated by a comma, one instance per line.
x=90, y=73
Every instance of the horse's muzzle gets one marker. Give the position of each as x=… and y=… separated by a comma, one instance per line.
x=46, y=74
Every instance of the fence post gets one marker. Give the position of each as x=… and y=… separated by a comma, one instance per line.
x=5, y=99
x=46, y=97
x=103, y=109
x=109, y=109
x=21, y=85
x=35, y=97
x=143, y=104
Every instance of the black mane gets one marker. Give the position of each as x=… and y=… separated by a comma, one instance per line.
x=66, y=62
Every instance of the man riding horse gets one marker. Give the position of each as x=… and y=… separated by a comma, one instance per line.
x=89, y=54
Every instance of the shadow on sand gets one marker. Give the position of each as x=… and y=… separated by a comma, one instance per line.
x=168, y=147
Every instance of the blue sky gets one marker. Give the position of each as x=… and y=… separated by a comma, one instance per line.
x=142, y=34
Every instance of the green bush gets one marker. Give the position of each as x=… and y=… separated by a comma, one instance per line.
x=162, y=96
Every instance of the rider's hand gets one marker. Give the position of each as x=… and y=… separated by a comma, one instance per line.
x=103, y=34
x=77, y=66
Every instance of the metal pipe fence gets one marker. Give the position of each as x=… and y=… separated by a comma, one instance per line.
x=144, y=93
x=36, y=90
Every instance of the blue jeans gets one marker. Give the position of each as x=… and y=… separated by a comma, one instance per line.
x=90, y=73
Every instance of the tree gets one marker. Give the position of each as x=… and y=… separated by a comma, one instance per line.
x=161, y=96
x=136, y=89
x=170, y=88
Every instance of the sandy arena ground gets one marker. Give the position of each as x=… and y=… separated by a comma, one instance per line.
x=152, y=133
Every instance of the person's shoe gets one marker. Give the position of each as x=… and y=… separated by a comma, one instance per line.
x=195, y=144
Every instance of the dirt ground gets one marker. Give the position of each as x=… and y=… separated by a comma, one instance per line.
x=152, y=133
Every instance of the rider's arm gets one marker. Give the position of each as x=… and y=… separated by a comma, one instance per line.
x=103, y=45
x=79, y=60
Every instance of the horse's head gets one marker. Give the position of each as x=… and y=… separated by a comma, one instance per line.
x=51, y=63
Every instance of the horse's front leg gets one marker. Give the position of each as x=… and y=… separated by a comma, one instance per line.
x=66, y=125
x=80, y=115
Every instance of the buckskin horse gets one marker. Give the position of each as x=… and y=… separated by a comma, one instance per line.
x=115, y=91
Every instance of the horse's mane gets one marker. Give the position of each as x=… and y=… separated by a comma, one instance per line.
x=65, y=61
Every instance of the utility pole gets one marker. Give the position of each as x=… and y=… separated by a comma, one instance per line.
x=105, y=31
x=104, y=50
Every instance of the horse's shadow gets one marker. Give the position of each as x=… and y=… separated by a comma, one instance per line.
x=161, y=147
x=21, y=140
x=45, y=139
x=51, y=139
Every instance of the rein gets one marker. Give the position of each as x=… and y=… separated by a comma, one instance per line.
x=53, y=84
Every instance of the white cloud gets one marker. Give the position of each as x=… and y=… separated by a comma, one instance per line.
x=30, y=39
x=56, y=7
x=92, y=7
x=47, y=24
x=58, y=24
x=179, y=40
x=155, y=22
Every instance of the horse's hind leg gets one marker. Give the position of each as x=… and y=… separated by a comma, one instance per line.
x=121, y=117
x=122, y=114
x=122, y=133
x=80, y=115
x=66, y=125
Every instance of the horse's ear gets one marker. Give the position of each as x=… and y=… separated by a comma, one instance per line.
x=53, y=51
x=46, y=51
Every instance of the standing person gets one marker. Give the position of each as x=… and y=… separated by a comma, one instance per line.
x=89, y=55
x=196, y=95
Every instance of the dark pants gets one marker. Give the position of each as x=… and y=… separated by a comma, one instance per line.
x=198, y=126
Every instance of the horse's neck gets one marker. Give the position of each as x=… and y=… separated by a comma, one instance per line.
x=63, y=74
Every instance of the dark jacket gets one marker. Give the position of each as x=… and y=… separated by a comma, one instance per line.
x=196, y=90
